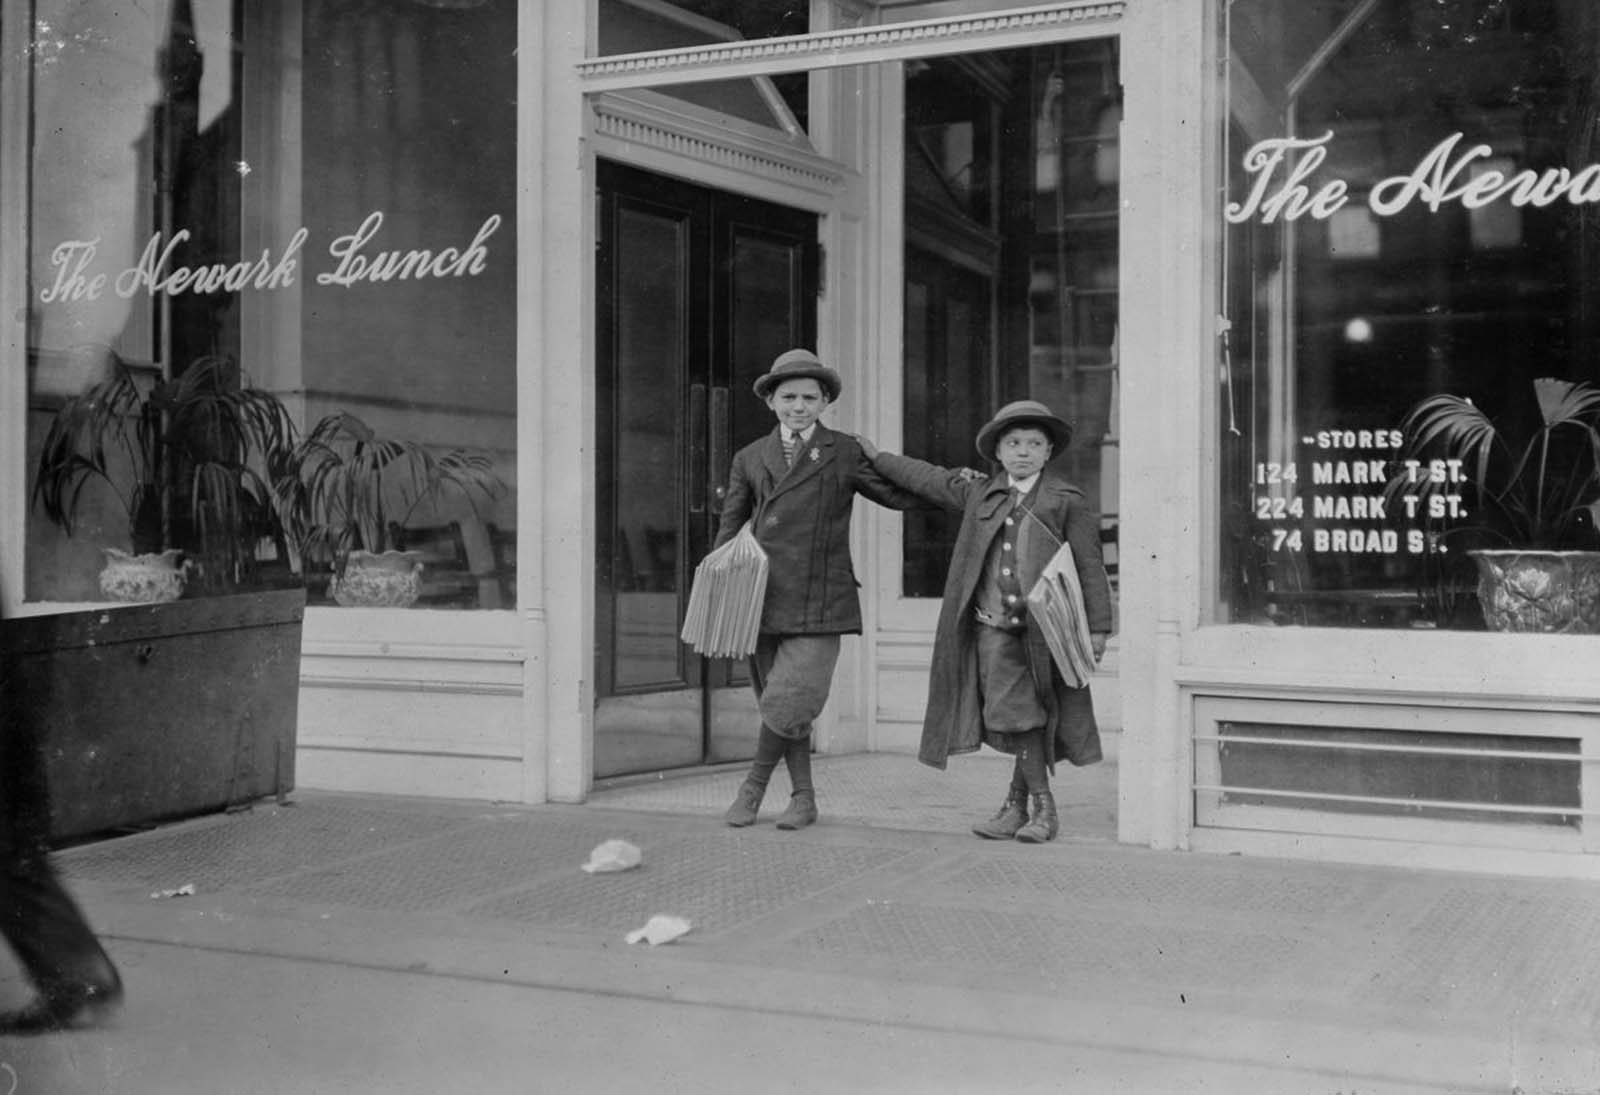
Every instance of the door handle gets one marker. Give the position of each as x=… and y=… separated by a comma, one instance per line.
x=697, y=448
x=721, y=458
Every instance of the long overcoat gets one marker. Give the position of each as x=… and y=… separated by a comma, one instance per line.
x=954, y=720
x=801, y=517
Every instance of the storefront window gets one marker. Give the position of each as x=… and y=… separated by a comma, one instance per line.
x=1011, y=183
x=1409, y=294
x=272, y=295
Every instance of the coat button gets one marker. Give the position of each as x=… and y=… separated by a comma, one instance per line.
x=1011, y=520
x=1011, y=598
x=1006, y=571
x=1005, y=547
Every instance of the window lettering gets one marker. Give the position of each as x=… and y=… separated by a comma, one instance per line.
x=158, y=270
x=1444, y=176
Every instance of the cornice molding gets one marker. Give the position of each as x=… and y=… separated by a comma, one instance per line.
x=643, y=120
x=852, y=45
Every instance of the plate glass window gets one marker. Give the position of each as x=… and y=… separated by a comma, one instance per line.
x=1410, y=332
x=271, y=294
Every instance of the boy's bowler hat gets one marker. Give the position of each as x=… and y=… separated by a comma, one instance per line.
x=795, y=365
x=1024, y=412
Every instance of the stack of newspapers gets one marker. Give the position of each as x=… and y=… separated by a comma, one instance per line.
x=1056, y=605
x=724, y=616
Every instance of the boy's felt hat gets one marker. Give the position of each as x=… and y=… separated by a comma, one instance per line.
x=795, y=365
x=1024, y=412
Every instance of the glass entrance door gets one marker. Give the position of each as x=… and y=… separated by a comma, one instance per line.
x=698, y=291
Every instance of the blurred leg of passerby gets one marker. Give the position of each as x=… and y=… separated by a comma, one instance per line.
x=76, y=980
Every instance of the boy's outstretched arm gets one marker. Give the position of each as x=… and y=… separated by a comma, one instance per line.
x=873, y=484
x=946, y=487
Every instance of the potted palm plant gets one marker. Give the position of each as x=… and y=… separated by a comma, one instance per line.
x=181, y=704
x=1531, y=527
x=343, y=488
x=185, y=460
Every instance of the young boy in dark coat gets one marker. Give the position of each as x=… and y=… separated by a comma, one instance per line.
x=796, y=487
x=993, y=680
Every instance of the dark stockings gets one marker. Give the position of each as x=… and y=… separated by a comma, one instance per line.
x=798, y=756
x=1030, y=772
x=770, y=748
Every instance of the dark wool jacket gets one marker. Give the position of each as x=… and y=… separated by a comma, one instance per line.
x=801, y=517
x=954, y=719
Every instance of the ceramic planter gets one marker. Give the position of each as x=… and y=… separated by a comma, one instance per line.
x=1540, y=591
x=142, y=579
x=386, y=579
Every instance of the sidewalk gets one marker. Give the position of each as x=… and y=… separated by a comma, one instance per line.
x=886, y=936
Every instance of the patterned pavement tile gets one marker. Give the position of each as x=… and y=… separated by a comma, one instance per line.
x=231, y=850
x=718, y=882
x=456, y=870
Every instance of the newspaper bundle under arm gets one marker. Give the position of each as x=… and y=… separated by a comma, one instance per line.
x=723, y=619
x=1056, y=605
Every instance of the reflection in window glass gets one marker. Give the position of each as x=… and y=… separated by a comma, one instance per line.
x=1411, y=227
x=1011, y=180
x=273, y=245
x=643, y=26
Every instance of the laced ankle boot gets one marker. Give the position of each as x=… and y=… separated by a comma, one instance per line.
x=801, y=811
x=1044, y=825
x=1013, y=815
x=802, y=808
x=747, y=801
x=746, y=804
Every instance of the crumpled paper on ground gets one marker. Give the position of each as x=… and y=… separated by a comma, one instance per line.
x=613, y=855
x=660, y=929
x=186, y=890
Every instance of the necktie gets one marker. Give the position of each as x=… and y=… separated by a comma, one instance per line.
x=791, y=446
x=1015, y=512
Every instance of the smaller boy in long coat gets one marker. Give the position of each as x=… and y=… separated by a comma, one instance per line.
x=993, y=679
x=797, y=487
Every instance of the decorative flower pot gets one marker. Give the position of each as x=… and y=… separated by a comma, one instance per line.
x=1543, y=591
x=143, y=579
x=378, y=580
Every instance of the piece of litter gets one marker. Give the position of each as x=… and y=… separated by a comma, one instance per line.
x=613, y=855
x=660, y=929
x=186, y=890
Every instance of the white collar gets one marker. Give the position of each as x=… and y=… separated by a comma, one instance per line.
x=805, y=434
x=1023, y=486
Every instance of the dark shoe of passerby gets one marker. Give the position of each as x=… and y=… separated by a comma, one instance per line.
x=1012, y=816
x=1043, y=825
x=801, y=811
x=67, y=1006
x=746, y=805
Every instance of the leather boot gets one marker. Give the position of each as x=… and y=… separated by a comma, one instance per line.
x=1013, y=815
x=746, y=804
x=1043, y=825
x=802, y=811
